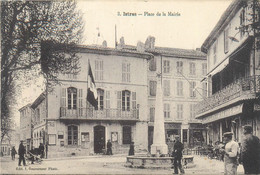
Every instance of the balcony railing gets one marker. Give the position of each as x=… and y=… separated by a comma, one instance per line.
x=244, y=87
x=104, y=114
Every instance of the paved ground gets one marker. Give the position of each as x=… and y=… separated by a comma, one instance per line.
x=103, y=165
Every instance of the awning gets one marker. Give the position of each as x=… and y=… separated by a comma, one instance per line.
x=232, y=111
x=226, y=61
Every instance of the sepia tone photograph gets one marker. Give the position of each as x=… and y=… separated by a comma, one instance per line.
x=130, y=87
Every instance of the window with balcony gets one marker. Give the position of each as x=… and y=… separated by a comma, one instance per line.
x=152, y=64
x=126, y=100
x=153, y=85
x=192, y=89
x=166, y=110
x=192, y=69
x=126, y=72
x=100, y=93
x=179, y=67
x=72, y=98
x=99, y=69
x=179, y=111
x=72, y=135
x=166, y=66
x=204, y=69
x=179, y=88
x=166, y=88
x=127, y=131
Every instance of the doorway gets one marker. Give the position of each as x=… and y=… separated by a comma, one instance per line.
x=99, y=139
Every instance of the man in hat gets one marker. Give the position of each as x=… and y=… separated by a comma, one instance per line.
x=21, y=152
x=230, y=154
x=250, y=152
x=177, y=154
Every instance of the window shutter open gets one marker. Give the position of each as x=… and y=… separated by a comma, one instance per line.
x=107, y=99
x=119, y=97
x=133, y=100
x=80, y=102
x=63, y=102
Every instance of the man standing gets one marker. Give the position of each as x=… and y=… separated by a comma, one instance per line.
x=109, y=148
x=177, y=154
x=21, y=152
x=13, y=152
x=230, y=154
x=250, y=152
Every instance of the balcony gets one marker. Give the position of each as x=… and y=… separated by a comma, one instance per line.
x=105, y=114
x=239, y=90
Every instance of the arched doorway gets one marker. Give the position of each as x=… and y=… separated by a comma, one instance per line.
x=99, y=138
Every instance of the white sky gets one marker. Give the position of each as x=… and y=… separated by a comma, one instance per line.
x=189, y=30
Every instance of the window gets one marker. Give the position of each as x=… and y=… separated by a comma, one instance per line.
x=192, y=69
x=215, y=52
x=192, y=89
x=166, y=110
x=153, y=85
x=179, y=111
x=72, y=135
x=127, y=134
x=99, y=70
x=166, y=66
x=166, y=87
x=152, y=64
x=126, y=72
x=60, y=135
x=80, y=102
x=152, y=114
x=226, y=39
x=179, y=88
x=73, y=74
x=204, y=89
x=179, y=67
x=204, y=68
x=192, y=111
x=100, y=105
x=242, y=22
x=126, y=100
x=72, y=98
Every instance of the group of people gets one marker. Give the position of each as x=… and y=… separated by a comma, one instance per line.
x=34, y=152
x=109, y=148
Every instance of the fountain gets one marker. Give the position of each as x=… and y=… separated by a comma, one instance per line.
x=159, y=149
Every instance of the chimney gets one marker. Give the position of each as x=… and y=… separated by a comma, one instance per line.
x=104, y=44
x=150, y=42
x=121, y=43
x=140, y=47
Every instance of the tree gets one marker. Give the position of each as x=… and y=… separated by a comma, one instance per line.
x=28, y=28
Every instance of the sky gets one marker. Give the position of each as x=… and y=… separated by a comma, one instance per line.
x=192, y=23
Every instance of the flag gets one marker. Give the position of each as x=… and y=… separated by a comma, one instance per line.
x=92, y=91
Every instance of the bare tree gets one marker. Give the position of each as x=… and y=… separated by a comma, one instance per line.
x=27, y=29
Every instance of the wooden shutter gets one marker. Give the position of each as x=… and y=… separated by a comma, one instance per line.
x=80, y=102
x=63, y=102
x=119, y=99
x=107, y=99
x=133, y=100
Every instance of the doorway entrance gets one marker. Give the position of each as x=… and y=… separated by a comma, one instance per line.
x=99, y=138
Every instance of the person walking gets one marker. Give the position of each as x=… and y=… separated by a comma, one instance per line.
x=132, y=149
x=177, y=155
x=21, y=152
x=41, y=149
x=109, y=147
x=250, y=151
x=13, y=152
x=230, y=154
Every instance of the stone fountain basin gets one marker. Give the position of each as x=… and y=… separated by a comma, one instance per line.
x=157, y=162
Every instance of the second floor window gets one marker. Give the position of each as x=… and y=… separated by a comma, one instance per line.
x=192, y=111
x=179, y=111
x=166, y=66
x=226, y=39
x=179, y=67
x=242, y=22
x=179, y=88
x=100, y=93
x=99, y=69
x=215, y=52
x=193, y=89
x=126, y=72
x=152, y=64
x=72, y=98
x=166, y=110
x=152, y=114
x=166, y=87
x=192, y=69
x=153, y=85
x=204, y=69
x=125, y=100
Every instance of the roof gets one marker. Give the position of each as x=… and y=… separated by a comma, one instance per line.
x=38, y=100
x=22, y=108
x=222, y=23
x=112, y=51
x=167, y=51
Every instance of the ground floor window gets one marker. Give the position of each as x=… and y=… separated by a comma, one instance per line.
x=127, y=134
x=72, y=135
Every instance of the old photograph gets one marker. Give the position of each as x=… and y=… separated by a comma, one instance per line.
x=130, y=87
